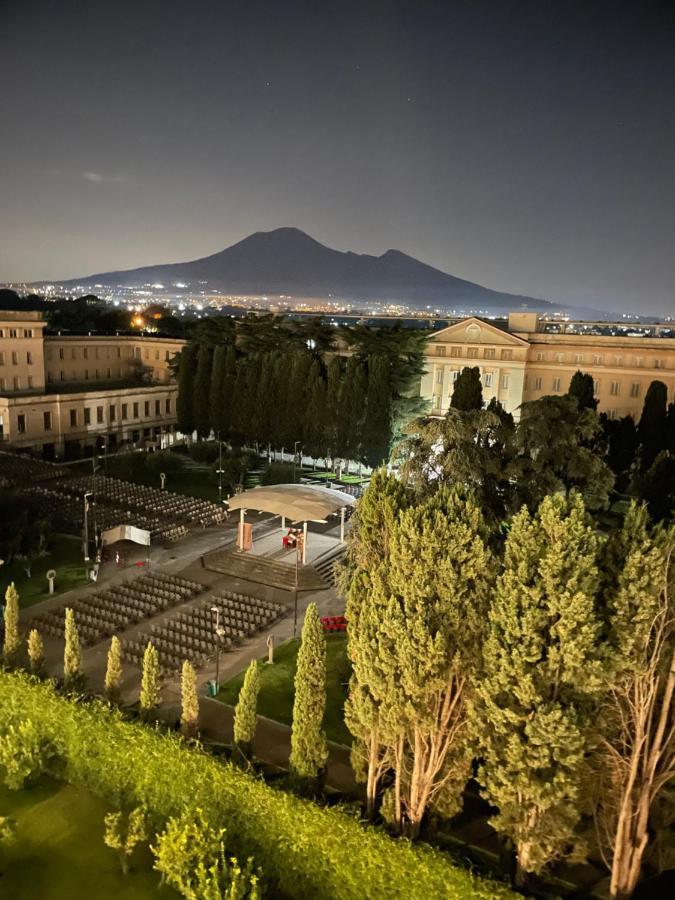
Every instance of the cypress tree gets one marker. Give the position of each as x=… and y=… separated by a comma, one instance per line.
x=334, y=428
x=634, y=758
x=150, y=696
x=377, y=425
x=581, y=388
x=11, y=641
x=217, y=412
x=467, y=393
x=245, y=710
x=314, y=431
x=72, y=657
x=309, y=751
x=189, y=716
x=186, y=380
x=652, y=424
x=352, y=407
x=36, y=652
x=202, y=392
x=542, y=676
x=113, y=672
x=227, y=403
x=439, y=582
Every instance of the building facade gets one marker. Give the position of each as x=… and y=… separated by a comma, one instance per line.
x=61, y=396
x=525, y=362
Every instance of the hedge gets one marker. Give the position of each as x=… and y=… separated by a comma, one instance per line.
x=305, y=849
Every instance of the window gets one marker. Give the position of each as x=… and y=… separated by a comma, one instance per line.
x=455, y=351
x=147, y=354
x=487, y=379
x=596, y=387
x=73, y=353
x=97, y=375
x=87, y=416
x=85, y=352
x=578, y=358
x=15, y=358
x=611, y=414
x=97, y=355
x=109, y=373
x=12, y=332
x=119, y=353
x=2, y=357
x=113, y=412
x=17, y=383
x=47, y=420
x=472, y=352
x=639, y=361
x=440, y=351
x=30, y=382
x=147, y=408
x=29, y=358
x=86, y=374
x=135, y=410
x=614, y=389
x=540, y=357
x=156, y=354
x=537, y=384
x=597, y=360
x=28, y=332
x=73, y=418
x=635, y=389
x=658, y=363
x=167, y=406
x=488, y=353
x=505, y=381
x=556, y=385
x=507, y=354
x=21, y=423
x=158, y=408
x=61, y=353
x=99, y=415
x=2, y=384
x=166, y=356
x=559, y=357
x=439, y=376
x=138, y=352
x=125, y=410
x=454, y=375
x=618, y=360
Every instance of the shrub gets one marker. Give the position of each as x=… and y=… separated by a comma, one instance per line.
x=305, y=850
x=23, y=753
x=206, y=451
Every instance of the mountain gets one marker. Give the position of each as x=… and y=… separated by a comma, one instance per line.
x=288, y=261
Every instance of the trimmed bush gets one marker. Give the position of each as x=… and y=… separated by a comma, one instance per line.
x=306, y=850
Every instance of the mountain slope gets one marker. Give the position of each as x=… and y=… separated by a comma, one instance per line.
x=288, y=261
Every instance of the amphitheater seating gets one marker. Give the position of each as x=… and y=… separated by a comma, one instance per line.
x=18, y=469
x=191, y=634
x=104, y=613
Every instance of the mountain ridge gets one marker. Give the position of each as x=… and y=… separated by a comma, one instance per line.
x=287, y=261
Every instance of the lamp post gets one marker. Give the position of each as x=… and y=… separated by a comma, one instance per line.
x=219, y=632
x=295, y=590
x=220, y=470
x=87, y=495
x=295, y=457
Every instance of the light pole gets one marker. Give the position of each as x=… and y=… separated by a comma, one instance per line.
x=220, y=470
x=87, y=495
x=219, y=631
x=295, y=457
x=295, y=590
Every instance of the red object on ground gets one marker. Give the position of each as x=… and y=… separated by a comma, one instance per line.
x=334, y=623
x=140, y=563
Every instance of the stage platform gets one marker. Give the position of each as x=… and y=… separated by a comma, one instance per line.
x=270, y=564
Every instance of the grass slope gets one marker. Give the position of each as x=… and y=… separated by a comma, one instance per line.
x=59, y=852
x=275, y=700
x=65, y=555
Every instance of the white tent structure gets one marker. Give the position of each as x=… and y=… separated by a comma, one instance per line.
x=297, y=502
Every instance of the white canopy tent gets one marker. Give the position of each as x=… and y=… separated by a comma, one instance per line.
x=297, y=502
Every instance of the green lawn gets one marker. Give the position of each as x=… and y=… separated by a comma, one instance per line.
x=59, y=852
x=194, y=479
x=65, y=555
x=275, y=700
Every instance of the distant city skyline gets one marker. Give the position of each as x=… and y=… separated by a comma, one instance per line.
x=527, y=147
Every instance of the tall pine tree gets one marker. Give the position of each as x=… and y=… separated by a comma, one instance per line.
x=541, y=681
x=202, y=392
x=582, y=389
x=217, y=411
x=377, y=426
x=309, y=751
x=467, y=393
x=652, y=424
x=186, y=380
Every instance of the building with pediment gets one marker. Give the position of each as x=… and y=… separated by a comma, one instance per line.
x=526, y=361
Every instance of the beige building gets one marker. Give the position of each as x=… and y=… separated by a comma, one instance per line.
x=61, y=395
x=525, y=362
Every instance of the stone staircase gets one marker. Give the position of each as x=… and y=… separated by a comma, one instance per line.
x=325, y=565
x=263, y=570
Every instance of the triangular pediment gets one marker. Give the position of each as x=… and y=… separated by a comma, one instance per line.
x=476, y=331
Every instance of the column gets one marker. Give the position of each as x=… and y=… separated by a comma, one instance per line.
x=342, y=525
x=304, y=543
x=242, y=517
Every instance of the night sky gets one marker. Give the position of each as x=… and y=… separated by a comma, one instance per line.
x=527, y=146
